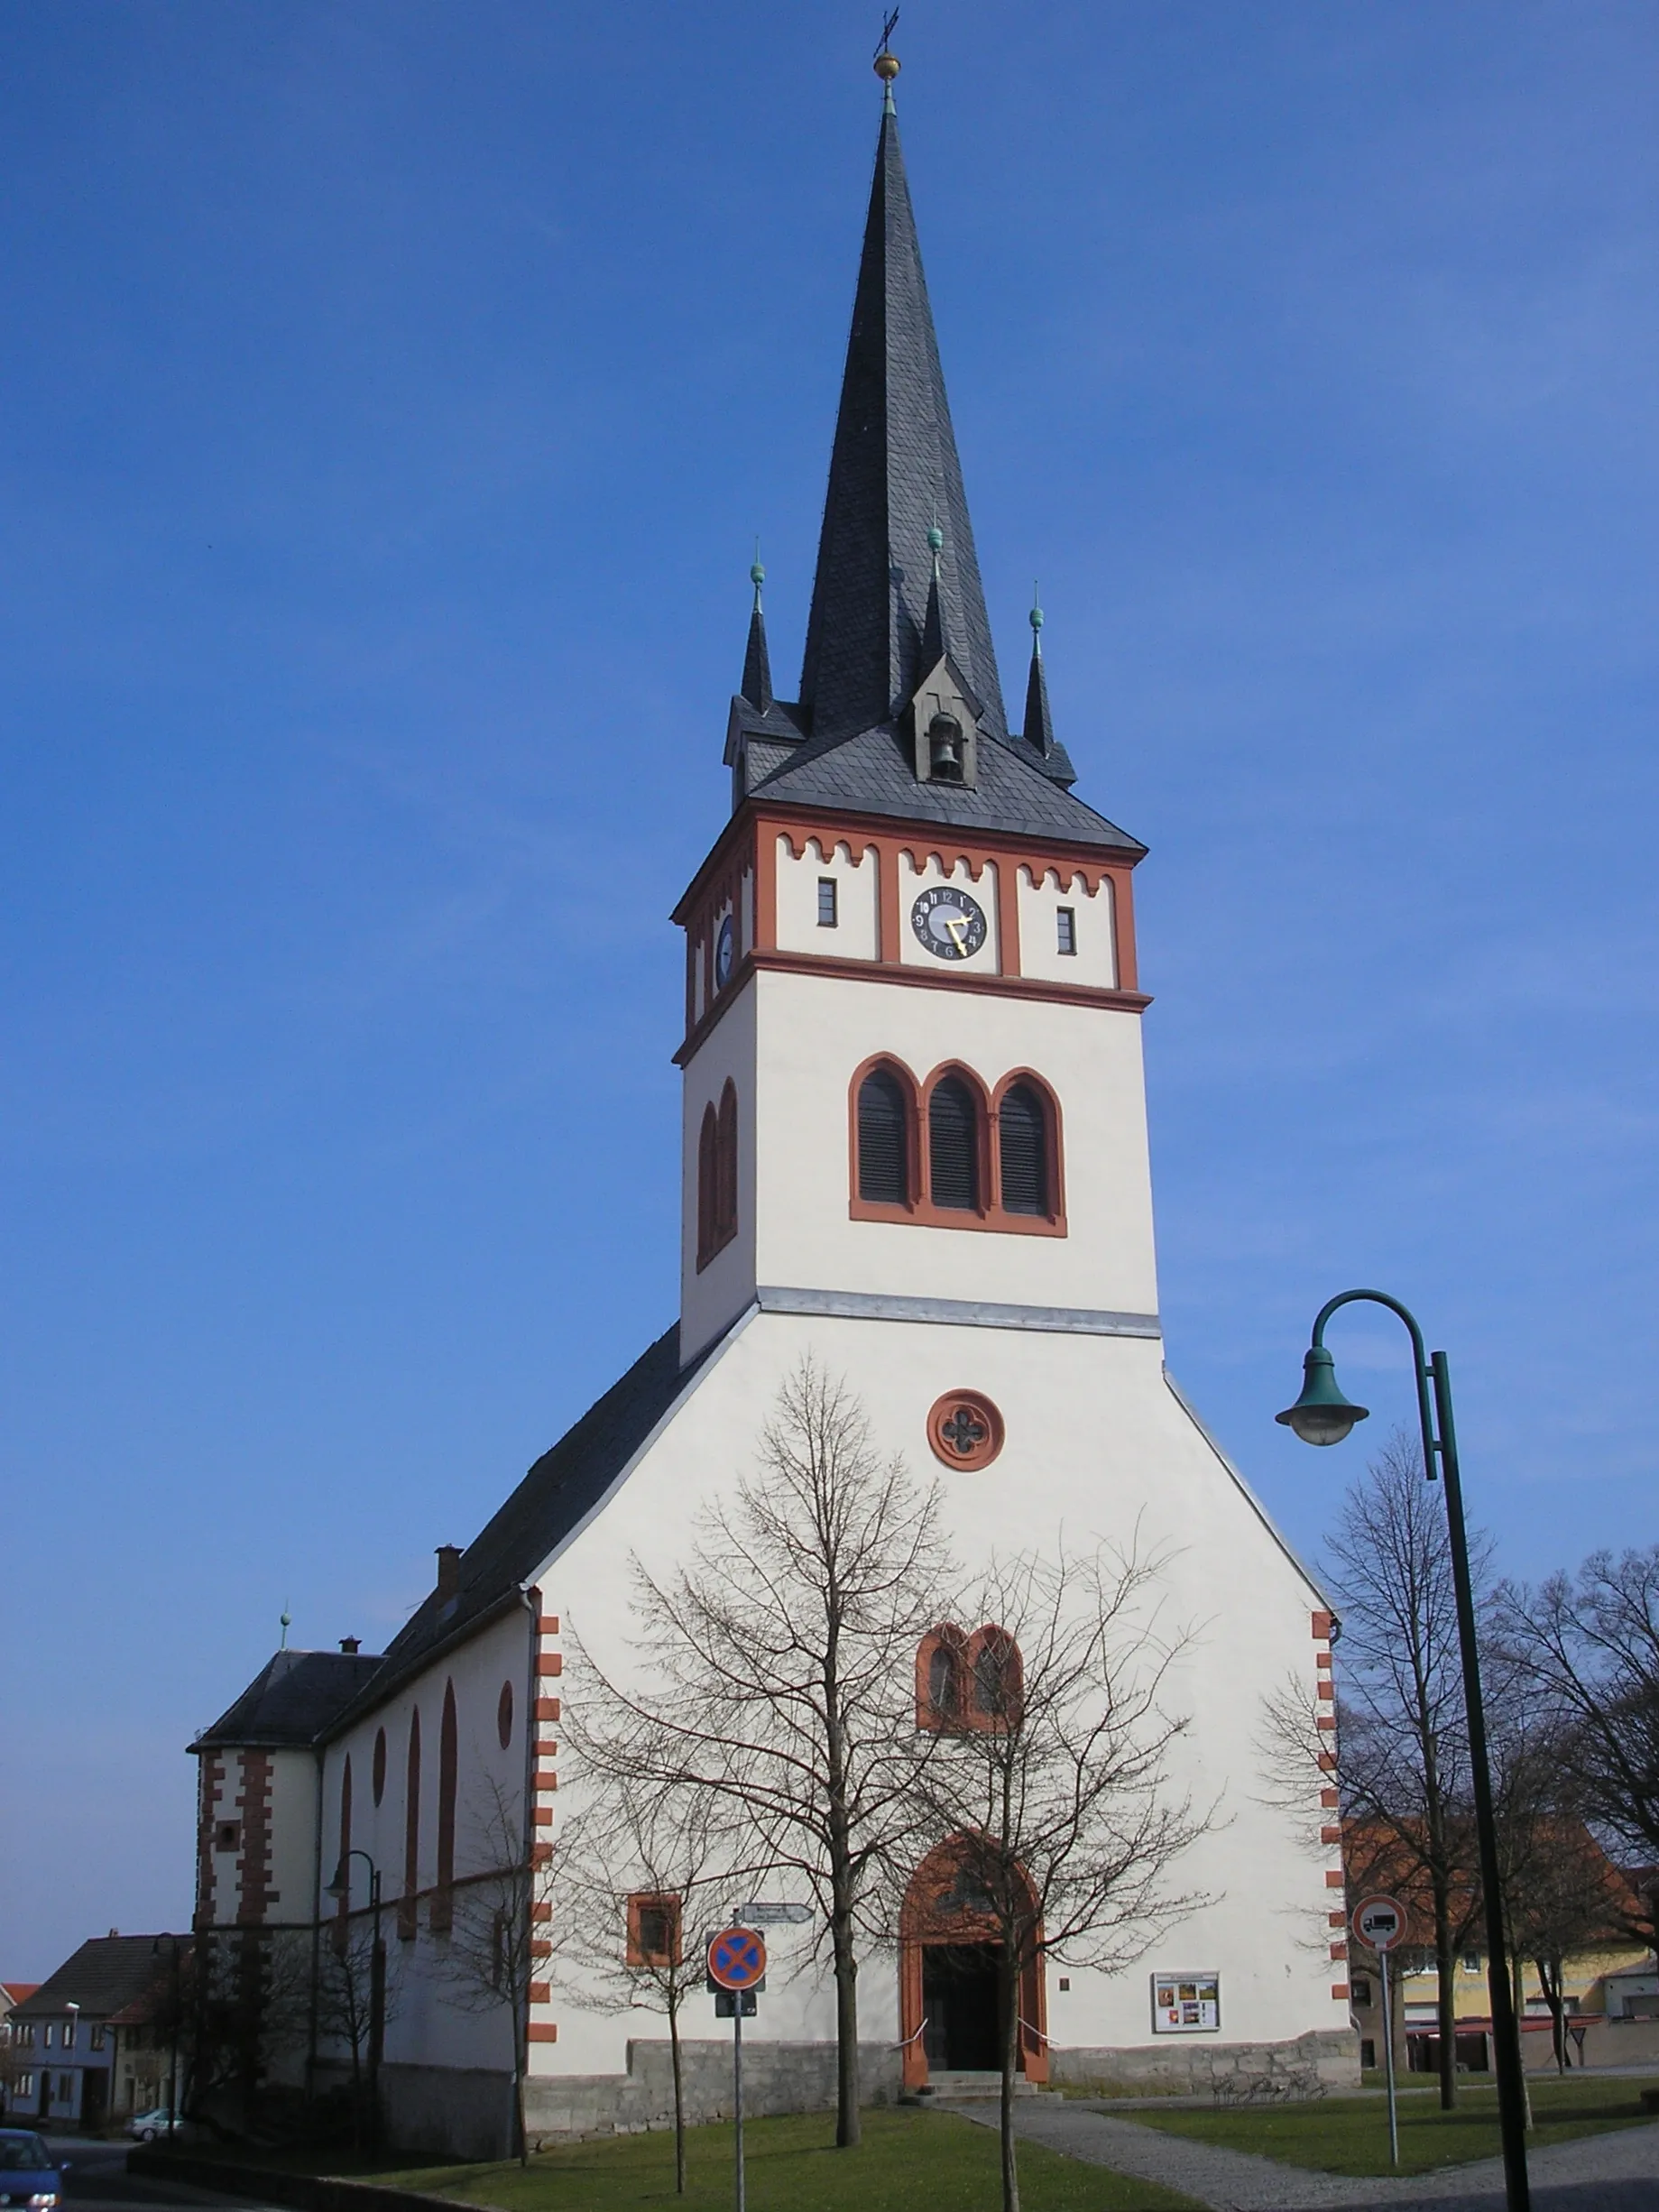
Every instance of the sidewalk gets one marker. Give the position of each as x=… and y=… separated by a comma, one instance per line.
x=1617, y=2172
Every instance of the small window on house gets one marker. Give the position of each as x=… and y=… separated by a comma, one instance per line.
x=98, y=2036
x=1022, y=1137
x=46, y=2037
x=1360, y=1990
x=1066, y=930
x=883, y=1139
x=952, y=1145
x=25, y=2085
x=69, y=2035
x=227, y=1836
x=1367, y=2054
x=653, y=1930
x=1471, y=1962
x=827, y=902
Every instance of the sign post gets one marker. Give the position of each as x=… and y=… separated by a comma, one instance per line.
x=736, y=1975
x=1379, y=1923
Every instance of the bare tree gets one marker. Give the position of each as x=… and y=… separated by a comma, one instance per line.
x=493, y=1952
x=1588, y=1647
x=635, y=1871
x=351, y=2009
x=1403, y=1773
x=784, y=1648
x=1049, y=1787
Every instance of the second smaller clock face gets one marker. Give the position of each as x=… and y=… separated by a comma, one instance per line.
x=949, y=923
x=725, y=946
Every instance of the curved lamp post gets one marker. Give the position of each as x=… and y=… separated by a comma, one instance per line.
x=1323, y=1415
x=341, y=1888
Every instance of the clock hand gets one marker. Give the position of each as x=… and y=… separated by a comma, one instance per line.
x=956, y=928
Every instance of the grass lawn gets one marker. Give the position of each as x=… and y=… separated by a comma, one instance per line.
x=1347, y=2134
x=909, y=2162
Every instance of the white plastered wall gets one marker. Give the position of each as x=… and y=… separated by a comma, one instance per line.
x=856, y=875
x=1098, y=1449
x=428, y=2023
x=812, y=1033
x=1094, y=963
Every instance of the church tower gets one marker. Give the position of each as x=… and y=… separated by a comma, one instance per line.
x=913, y=1085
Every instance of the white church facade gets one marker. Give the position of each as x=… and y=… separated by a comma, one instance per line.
x=915, y=1151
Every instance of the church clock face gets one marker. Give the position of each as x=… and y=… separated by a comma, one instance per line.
x=725, y=946
x=949, y=923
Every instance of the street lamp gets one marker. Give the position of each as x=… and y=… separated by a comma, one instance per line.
x=177, y=2029
x=340, y=1888
x=1323, y=1415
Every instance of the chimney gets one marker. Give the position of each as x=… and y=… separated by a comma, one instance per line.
x=449, y=1569
x=351, y=1644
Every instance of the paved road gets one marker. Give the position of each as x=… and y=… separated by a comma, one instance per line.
x=99, y=2181
x=1616, y=2173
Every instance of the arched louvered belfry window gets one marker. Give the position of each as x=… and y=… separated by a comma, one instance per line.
x=883, y=1139
x=1022, y=1141
x=448, y=1763
x=952, y=1145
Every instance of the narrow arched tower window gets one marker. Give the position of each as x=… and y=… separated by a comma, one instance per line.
x=952, y=1145
x=448, y=1762
x=1022, y=1137
x=412, y=1833
x=884, y=1140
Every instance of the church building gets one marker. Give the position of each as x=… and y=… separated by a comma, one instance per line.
x=914, y=1148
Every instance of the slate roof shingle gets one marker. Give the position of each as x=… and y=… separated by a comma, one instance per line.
x=106, y=1975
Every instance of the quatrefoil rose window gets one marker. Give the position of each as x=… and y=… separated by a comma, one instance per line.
x=965, y=1430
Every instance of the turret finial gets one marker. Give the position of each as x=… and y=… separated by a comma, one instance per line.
x=887, y=63
x=288, y=1622
x=757, y=574
x=936, y=546
x=1036, y=622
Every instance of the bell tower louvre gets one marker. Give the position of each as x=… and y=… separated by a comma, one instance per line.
x=887, y=829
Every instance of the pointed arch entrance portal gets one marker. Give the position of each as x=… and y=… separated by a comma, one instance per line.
x=947, y=1977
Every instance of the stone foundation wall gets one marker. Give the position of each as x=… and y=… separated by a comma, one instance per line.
x=462, y=2113
x=778, y=2078
x=1310, y=2064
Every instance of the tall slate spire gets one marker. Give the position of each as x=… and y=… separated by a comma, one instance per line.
x=893, y=474
x=757, y=684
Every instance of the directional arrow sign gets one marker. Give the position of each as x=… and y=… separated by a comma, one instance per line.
x=736, y=1958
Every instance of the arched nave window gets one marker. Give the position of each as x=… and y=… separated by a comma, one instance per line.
x=953, y=1146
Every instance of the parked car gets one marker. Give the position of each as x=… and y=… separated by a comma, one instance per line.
x=148, y=2125
x=28, y=2174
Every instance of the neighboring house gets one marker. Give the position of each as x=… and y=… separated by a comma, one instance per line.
x=915, y=1149
x=1595, y=1976
x=11, y=2065
x=93, y=2042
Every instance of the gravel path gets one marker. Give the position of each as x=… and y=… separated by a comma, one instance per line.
x=1616, y=2172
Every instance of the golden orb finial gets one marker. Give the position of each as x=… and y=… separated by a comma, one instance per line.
x=886, y=66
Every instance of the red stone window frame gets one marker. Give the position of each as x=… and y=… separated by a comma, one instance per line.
x=970, y=1665
x=918, y=1207
x=717, y=1176
x=644, y=1907
x=945, y=1428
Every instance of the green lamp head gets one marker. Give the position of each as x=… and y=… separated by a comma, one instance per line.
x=342, y=1883
x=1321, y=1415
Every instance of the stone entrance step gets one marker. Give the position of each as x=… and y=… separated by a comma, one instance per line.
x=964, y=2085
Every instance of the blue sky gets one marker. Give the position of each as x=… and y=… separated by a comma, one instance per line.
x=391, y=394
